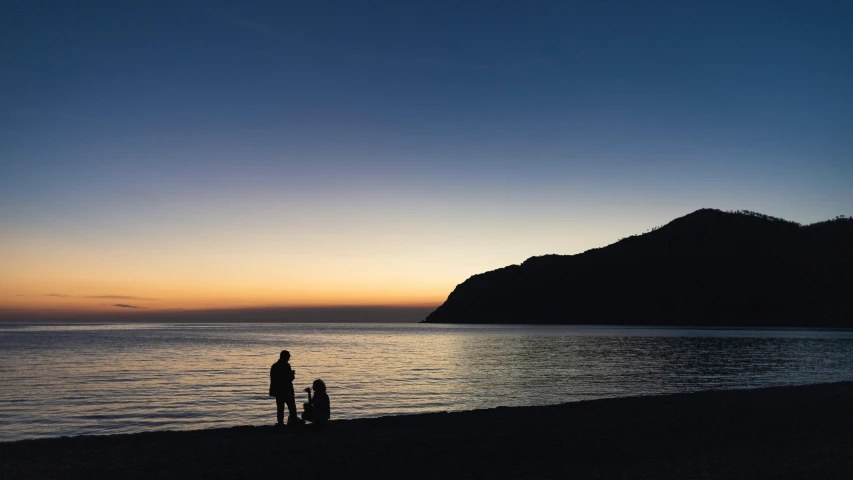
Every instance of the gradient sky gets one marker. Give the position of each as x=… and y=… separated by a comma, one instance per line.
x=178, y=155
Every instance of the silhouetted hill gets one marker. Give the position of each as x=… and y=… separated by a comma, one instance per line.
x=707, y=268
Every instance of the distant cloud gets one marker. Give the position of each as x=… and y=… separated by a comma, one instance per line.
x=124, y=305
x=100, y=297
x=118, y=297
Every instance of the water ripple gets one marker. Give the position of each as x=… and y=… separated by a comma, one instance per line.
x=95, y=379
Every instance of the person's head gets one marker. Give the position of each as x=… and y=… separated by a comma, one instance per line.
x=319, y=386
x=284, y=355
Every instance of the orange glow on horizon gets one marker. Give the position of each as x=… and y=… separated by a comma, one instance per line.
x=202, y=265
x=82, y=303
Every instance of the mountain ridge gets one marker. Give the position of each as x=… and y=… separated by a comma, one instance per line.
x=709, y=268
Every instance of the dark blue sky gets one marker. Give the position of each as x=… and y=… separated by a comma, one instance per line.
x=455, y=123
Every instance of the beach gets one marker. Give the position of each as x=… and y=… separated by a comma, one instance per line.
x=780, y=432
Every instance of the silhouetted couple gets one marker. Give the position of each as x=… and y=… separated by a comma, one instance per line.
x=317, y=409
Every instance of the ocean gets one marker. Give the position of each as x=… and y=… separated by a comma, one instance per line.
x=103, y=379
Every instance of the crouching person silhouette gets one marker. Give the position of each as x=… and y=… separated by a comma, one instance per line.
x=281, y=387
x=317, y=409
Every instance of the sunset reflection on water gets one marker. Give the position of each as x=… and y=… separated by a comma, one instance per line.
x=96, y=379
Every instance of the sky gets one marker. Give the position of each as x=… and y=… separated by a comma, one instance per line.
x=165, y=156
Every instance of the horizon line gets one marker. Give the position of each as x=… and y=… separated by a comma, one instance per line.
x=293, y=314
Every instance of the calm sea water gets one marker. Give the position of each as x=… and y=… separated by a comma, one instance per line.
x=99, y=379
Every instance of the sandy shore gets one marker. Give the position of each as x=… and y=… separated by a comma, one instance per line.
x=787, y=432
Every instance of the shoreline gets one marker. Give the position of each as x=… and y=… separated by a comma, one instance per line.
x=780, y=432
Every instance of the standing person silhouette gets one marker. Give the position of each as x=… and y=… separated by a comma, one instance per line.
x=281, y=387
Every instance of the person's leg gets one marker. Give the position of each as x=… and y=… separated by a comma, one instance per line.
x=279, y=410
x=291, y=409
x=308, y=413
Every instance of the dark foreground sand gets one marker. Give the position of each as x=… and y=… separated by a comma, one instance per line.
x=789, y=432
